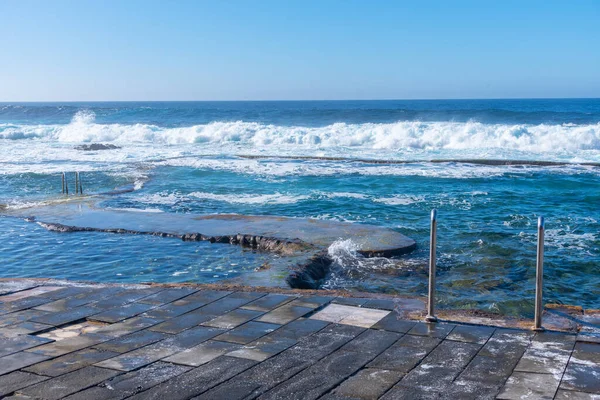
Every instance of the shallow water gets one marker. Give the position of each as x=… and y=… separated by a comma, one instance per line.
x=184, y=158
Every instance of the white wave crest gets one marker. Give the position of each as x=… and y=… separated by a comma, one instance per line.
x=275, y=198
x=399, y=135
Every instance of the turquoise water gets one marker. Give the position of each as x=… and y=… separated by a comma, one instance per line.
x=186, y=158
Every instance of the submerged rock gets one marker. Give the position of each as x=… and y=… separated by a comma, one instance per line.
x=96, y=146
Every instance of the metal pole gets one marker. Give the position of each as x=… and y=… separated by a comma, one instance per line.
x=76, y=182
x=63, y=182
x=80, y=184
x=539, y=277
x=66, y=184
x=432, y=244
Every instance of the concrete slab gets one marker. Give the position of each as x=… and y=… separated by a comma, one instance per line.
x=233, y=319
x=70, y=362
x=526, y=385
x=268, y=302
x=248, y=332
x=471, y=334
x=263, y=348
x=18, y=380
x=583, y=377
x=368, y=383
x=14, y=345
x=285, y=314
x=16, y=361
x=348, y=315
x=203, y=353
x=131, y=342
x=438, y=330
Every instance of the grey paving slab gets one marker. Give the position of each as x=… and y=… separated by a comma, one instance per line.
x=128, y=326
x=24, y=304
x=62, y=318
x=381, y=304
x=19, y=316
x=572, y=395
x=68, y=291
x=437, y=330
x=70, y=362
x=285, y=314
x=66, y=304
x=247, y=333
x=263, y=348
x=507, y=343
x=283, y=366
x=23, y=328
x=350, y=301
x=368, y=383
x=391, y=322
x=426, y=343
x=197, y=380
x=159, y=350
x=471, y=334
x=544, y=361
x=268, y=302
x=132, y=341
x=584, y=377
x=489, y=372
x=230, y=302
x=430, y=377
x=125, y=297
x=20, y=360
x=452, y=354
x=372, y=342
x=187, y=304
x=399, y=358
x=527, y=385
x=203, y=353
x=131, y=383
x=554, y=340
x=399, y=392
x=62, y=347
x=18, y=380
x=182, y=322
x=586, y=352
x=19, y=343
x=320, y=377
x=167, y=296
x=313, y=301
x=299, y=328
x=121, y=313
x=233, y=319
x=64, y=385
x=468, y=391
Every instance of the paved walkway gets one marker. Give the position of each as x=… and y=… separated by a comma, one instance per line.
x=112, y=342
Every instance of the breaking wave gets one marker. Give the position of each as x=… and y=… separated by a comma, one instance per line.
x=416, y=135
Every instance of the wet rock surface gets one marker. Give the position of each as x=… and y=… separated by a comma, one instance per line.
x=96, y=147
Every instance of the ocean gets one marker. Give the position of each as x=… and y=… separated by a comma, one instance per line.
x=385, y=163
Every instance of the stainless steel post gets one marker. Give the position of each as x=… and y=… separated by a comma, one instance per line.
x=432, y=244
x=80, y=184
x=539, y=277
x=63, y=182
x=76, y=182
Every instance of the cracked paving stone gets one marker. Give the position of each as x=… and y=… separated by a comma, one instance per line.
x=122, y=313
x=263, y=348
x=70, y=362
x=19, y=343
x=131, y=342
x=203, y=353
x=18, y=380
x=65, y=317
x=127, y=327
x=56, y=349
x=64, y=385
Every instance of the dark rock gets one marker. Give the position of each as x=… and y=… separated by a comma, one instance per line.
x=96, y=147
x=311, y=274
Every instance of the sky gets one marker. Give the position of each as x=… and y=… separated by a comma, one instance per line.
x=84, y=50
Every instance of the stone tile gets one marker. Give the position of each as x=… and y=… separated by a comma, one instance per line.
x=182, y=322
x=128, y=384
x=62, y=305
x=571, y=395
x=430, y=378
x=62, y=318
x=471, y=334
x=154, y=352
x=18, y=380
x=490, y=372
x=544, y=361
x=233, y=319
x=399, y=358
x=588, y=337
x=349, y=315
x=263, y=348
x=312, y=301
x=372, y=342
x=426, y=343
x=452, y=354
x=468, y=391
x=438, y=330
x=187, y=304
x=57, y=388
x=20, y=360
x=121, y=313
x=230, y=302
x=56, y=349
x=71, y=330
x=507, y=344
x=24, y=328
x=586, y=352
x=248, y=332
x=526, y=385
x=198, y=380
x=70, y=362
x=125, y=297
x=299, y=328
x=167, y=296
x=128, y=326
x=19, y=343
x=268, y=302
x=203, y=353
x=553, y=340
x=350, y=301
x=131, y=342
x=283, y=366
x=320, y=377
x=582, y=377
x=393, y=323
x=11, y=286
x=19, y=316
x=37, y=291
x=23, y=304
x=368, y=383
x=285, y=314
x=381, y=304
x=68, y=291
x=400, y=392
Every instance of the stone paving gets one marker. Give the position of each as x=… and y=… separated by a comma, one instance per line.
x=153, y=342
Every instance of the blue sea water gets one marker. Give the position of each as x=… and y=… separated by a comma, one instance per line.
x=187, y=157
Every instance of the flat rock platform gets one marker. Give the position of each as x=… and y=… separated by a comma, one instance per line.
x=91, y=341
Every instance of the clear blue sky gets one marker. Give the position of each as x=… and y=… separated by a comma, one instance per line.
x=287, y=49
